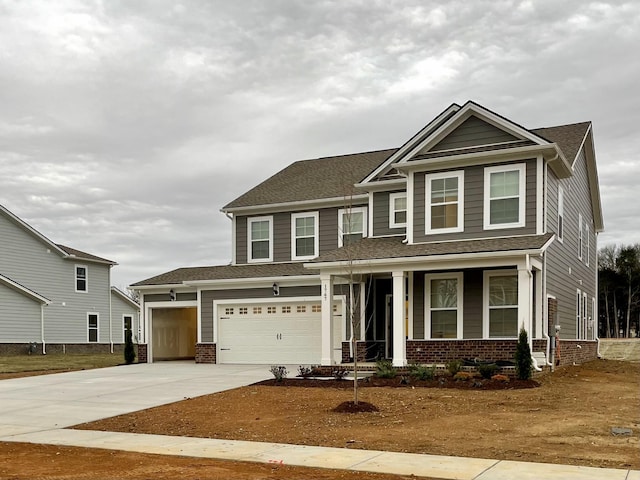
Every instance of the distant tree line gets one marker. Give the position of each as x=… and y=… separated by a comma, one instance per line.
x=619, y=291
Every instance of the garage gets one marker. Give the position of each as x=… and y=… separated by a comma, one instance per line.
x=285, y=332
x=174, y=333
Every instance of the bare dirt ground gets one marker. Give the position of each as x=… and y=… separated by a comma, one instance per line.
x=567, y=419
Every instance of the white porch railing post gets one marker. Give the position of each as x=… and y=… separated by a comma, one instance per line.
x=326, y=286
x=399, y=333
x=525, y=301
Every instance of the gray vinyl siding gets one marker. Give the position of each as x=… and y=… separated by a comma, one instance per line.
x=473, y=206
x=381, y=219
x=20, y=319
x=282, y=237
x=208, y=296
x=418, y=305
x=165, y=297
x=119, y=308
x=565, y=272
x=328, y=225
x=241, y=240
x=473, y=132
x=30, y=262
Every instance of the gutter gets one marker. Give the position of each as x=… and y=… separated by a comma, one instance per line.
x=44, y=348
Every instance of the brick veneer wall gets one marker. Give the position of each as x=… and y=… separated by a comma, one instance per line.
x=205, y=353
x=59, y=348
x=142, y=353
x=367, y=351
x=577, y=351
x=443, y=351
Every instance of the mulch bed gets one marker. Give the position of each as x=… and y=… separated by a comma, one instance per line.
x=405, y=382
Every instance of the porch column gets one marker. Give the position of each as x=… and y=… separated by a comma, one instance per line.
x=399, y=333
x=525, y=302
x=540, y=307
x=326, y=288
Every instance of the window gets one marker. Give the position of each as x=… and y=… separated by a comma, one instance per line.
x=586, y=243
x=501, y=304
x=228, y=311
x=444, y=305
x=560, y=213
x=578, y=314
x=257, y=310
x=316, y=308
x=127, y=324
x=92, y=325
x=580, y=237
x=260, y=241
x=504, y=196
x=243, y=311
x=445, y=202
x=271, y=310
x=286, y=309
x=81, y=279
x=352, y=225
x=301, y=309
x=398, y=210
x=585, y=316
x=304, y=235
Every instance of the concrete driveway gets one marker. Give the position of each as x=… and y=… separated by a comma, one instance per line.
x=46, y=402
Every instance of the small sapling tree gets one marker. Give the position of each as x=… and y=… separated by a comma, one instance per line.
x=129, y=352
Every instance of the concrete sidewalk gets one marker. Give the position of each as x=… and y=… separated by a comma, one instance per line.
x=434, y=466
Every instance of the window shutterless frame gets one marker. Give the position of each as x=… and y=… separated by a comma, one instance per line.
x=504, y=196
x=93, y=331
x=444, y=305
x=398, y=210
x=352, y=224
x=81, y=278
x=260, y=239
x=444, y=209
x=304, y=235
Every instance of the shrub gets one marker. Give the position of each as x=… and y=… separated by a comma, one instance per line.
x=462, y=376
x=339, y=373
x=304, y=371
x=279, y=372
x=422, y=372
x=384, y=369
x=487, y=370
x=454, y=366
x=523, y=361
x=500, y=378
x=129, y=351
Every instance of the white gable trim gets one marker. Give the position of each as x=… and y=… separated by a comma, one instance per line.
x=24, y=290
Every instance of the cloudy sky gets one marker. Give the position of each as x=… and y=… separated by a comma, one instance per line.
x=126, y=125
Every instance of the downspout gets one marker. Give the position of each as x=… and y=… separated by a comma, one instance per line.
x=44, y=348
x=530, y=275
x=110, y=313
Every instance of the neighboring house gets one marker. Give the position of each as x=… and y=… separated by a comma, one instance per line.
x=472, y=229
x=56, y=296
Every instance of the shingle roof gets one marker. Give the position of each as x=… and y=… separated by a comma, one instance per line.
x=329, y=177
x=84, y=255
x=226, y=272
x=568, y=137
x=393, y=247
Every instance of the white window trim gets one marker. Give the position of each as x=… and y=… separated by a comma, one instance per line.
x=522, y=169
x=86, y=278
x=97, y=327
x=459, y=276
x=351, y=210
x=251, y=220
x=585, y=316
x=124, y=330
x=578, y=305
x=436, y=176
x=560, y=214
x=485, y=301
x=593, y=324
x=586, y=244
x=580, y=237
x=392, y=210
x=316, y=239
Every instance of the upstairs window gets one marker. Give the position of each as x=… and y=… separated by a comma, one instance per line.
x=304, y=235
x=81, y=279
x=352, y=225
x=504, y=191
x=586, y=244
x=580, y=237
x=501, y=303
x=398, y=210
x=560, y=213
x=260, y=242
x=92, y=327
x=445, y=202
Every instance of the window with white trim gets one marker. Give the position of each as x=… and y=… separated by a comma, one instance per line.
x=352, y=225
x=585, y=316
x=443, y=305
x=398, y=210
x=593, y=323
x=304, y=235
x=586, y=244
x=504, y=196
x=260, y=241
x=580, y=237
x=82, y=284
x=560, y=213
x=501, y=304
x=445, y=202
x=92, y=327
x=127, y=326
x=578, y=314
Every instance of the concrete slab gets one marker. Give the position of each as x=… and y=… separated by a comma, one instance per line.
x=508, y=470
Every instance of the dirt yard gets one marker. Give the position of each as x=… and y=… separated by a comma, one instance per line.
x=567, y=419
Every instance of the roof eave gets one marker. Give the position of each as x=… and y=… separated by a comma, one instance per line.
x=299, y=204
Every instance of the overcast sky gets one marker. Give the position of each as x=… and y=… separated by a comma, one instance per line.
x=126, y=125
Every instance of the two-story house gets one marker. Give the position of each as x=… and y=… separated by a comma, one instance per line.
x=441, y=249
x=57, y=297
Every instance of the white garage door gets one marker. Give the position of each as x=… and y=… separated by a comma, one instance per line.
x=274, y=333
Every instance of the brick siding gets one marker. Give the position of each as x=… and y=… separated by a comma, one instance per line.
x=59, y=348
x=142, y=353
x=577, y=351
x=443, y=351
x=205, y=353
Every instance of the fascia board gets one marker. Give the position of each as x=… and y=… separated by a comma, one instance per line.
x=594, y=183
x=124, y=296
x=24, y=290
x=383, y=185
x=297, y=205
x=256, y=281
x=75, y=258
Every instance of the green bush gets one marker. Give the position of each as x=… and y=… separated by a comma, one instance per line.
x=522, y=358
x=279, y=372
x=488, y=370
x=454, y=366
x=384, y=369
x=422, y=372
x=129, y=351
x=339, y=373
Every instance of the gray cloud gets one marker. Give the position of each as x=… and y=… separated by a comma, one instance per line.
x=125, y=126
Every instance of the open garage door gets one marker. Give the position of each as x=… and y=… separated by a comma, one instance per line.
x=174, y=333
x=274, y=333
